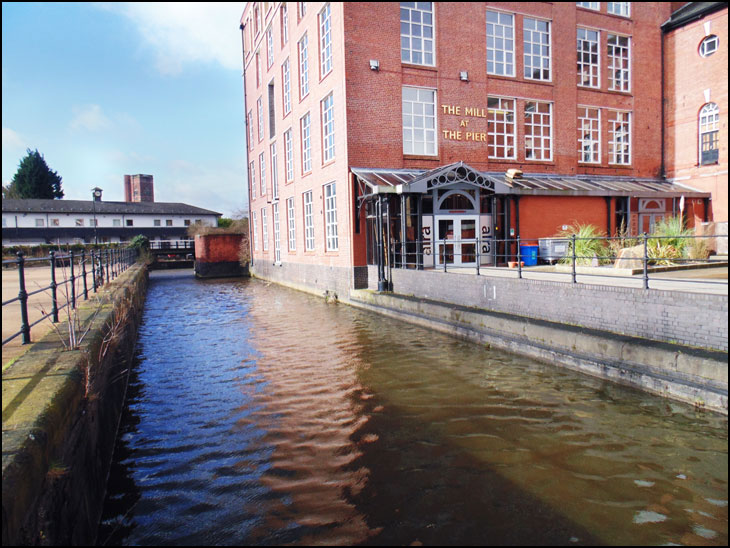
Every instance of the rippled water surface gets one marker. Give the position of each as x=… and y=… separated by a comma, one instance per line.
x=261, y=415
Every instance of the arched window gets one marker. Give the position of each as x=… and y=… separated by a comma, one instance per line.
x=709, y=126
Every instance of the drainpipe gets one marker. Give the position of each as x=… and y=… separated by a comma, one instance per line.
x=248, y=191
x=608, y=215
x=382, y=282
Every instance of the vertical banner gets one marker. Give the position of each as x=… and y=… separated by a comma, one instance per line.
x=485, y=240
x=427, y=237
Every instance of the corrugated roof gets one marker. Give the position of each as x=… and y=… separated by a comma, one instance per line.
x=101, y=207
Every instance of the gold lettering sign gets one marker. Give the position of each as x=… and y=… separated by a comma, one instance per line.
x=458, y=135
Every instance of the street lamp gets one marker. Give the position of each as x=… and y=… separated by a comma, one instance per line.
x=96, y=197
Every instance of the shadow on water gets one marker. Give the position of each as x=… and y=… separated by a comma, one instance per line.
x=260, y=415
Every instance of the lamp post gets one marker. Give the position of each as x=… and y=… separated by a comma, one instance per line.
x=96, y=196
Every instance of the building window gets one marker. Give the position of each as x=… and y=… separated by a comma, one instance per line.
x=186, y=222
x=157, y=222
x=252, y=177
x=538, y=131
x=301, y=9
x=589, y=135
x=260, y=106
x=308, y=221
x=250, y=129
x=589, y=5
x=619, y=143
x=619, y=63
x=289, y=156
x=55, y=222
x=277, y=234
x=501, y=128
x=264, y=229
x=328, y=128
x=330, y=216
x=500, y=43
x=303, y=68
x=274, y=173
x=537, y=49
x=168, y=222
x=709, y=45
x=419, y=121
x=325, y=41
x=709, y=134
x=272, y=111
x=284, y=25
x=589, y=73
x=79, y=222
x=416, y=33
x=116, y=222
x=619, y=8
x=255, y=232
x=262, y=169
x=39, y=223
x=305, y=128
x=291, y=222
x=269, y=47
x=287, y=87
x=93, y=222
x=130, y=222
x=258, y=69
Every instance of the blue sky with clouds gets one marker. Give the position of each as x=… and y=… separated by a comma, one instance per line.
x=108, y=89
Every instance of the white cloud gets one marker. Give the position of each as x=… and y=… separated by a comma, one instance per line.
x=12, y=140
x=187, y=32
x=90, y=118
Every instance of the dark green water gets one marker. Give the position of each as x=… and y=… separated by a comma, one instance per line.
x=261, y=415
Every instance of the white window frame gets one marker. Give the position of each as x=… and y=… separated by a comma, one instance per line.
x=709, y=124
x=619, y=62
x=255, y=231
x=619, y=140
x=286, y=87
x=416, y=48
x=274, y=172
x=501, y=33
x=544, y=40
x=595, y=6
x=709, y=45
x=292, y=223
x=330, y=216
x=537, y=122
x=277, y=233
x=328, y=128
x=289, y=155
x=590, y=146
x=269, y=47
x=260, y=107
x=284, y=24
x=262, y=170
x=586, y=48
x=308, y=208
x=302, y=47
x=325, y=41
x=420, y=123
x=250, y=130
x=252, y=175
x=305, y=129
x=492, y=130
x=622, y=9
x=39, y=223
x=264, y=230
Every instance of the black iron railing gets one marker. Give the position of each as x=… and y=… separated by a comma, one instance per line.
x=79, y=273
x=482, y=255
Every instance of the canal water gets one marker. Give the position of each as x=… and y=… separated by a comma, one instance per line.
x=261, y=415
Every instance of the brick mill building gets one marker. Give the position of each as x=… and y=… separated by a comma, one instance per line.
x=416, y=133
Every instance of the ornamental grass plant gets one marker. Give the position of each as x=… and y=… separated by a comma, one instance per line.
x=590, y=245
x=668, y=243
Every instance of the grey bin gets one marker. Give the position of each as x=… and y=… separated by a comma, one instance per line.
x=552, y=250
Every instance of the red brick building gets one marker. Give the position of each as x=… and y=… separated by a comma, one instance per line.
x=382, y=133
x=696, y=61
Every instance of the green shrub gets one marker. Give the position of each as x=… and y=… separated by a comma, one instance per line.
x=588, y=245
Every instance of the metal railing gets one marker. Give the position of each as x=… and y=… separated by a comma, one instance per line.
x=101, y=265
x=657, y=253
x=184, y=245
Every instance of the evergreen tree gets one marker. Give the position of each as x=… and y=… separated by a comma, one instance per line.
x=34, y=179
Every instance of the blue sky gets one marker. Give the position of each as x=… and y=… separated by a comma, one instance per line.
x=108, y=89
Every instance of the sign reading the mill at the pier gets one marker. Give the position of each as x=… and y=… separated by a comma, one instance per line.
x=464, y=133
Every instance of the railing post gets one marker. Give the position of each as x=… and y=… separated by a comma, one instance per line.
x=443, y=246
x=54, y=285
x=519, y=259
x=646, y=261
x=23, y=297
x=107, y=265
x=572, y=237
x=73, y=281
x=478, y=246
x=93, y=270
x=83, y=273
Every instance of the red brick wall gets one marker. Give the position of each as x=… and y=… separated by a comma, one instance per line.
x=688, y=77
x=217, y=248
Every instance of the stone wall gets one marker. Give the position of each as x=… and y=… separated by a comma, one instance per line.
x=311, y=278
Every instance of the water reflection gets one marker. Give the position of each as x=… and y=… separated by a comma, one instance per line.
x=270, y=417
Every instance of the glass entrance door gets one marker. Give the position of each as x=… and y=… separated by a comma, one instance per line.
x=456, y=240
